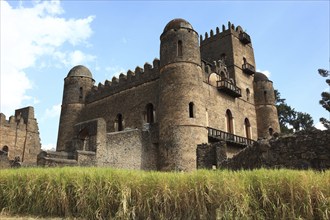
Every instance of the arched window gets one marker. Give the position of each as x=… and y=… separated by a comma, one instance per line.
x=80, y=93
x=247, y=128
x=179, y=48
x=265, y=96
x=150, y=113
x=4, y=150
x=119, y=121
x=229, y=121
x=191, y=110
x=271, y=131
x=244, y=60
x=222, y=75
x=247, y=94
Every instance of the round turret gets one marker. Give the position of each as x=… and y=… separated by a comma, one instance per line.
x=77, y=85
x=176, y=24
x=182, y=114
x=78, y=82
x=81, y=71
x=264, y=98
x=179, y=42
x=260, y=77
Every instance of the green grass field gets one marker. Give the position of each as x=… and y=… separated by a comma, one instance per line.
x=104, y=193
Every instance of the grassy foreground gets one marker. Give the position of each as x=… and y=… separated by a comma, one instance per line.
x=103, y=193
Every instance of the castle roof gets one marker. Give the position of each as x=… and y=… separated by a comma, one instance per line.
x=80, y=70
x=260, y=77
x=177, y=23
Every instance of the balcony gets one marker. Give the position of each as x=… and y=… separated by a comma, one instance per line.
x=244, y=38
x=248, y=69
x=229, y=88
x=229, y=138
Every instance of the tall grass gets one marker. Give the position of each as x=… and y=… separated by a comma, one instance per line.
x=103, y=193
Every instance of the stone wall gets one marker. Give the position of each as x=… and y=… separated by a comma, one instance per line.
x=210, y=156
x=302, y=150
x=129, y=149
x=20, y=135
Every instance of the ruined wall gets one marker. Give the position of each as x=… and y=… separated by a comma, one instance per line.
x=20, y=134
x=130, y=149
x=302, y=150
x=209, y=156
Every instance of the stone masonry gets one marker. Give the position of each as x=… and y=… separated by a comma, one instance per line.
x=154, y=117
x=303, y=150
x=19, y=137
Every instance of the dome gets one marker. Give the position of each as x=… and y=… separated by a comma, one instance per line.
x=260, y=77
x=177, y=23
x=81, y=71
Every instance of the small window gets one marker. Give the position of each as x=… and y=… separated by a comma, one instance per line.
x=150, y=113
x=265, y=96
x=271, y=131
x=191, y=110
x=244, y=60
x=179, y=48
x=80, y=93
x=4, y=150
x=247, y=94
x=247, y=128
x=222, y=75
x=229, y=121
x=119, y=122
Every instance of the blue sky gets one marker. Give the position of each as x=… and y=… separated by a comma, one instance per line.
x=42, y=40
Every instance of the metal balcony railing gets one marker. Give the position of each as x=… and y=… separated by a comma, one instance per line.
x=244, y=38
x=228, y=137
x=248, y=68
x=229, y=88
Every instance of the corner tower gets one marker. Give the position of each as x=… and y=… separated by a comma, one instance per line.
x=77, y=84
x=182, y=114
x=264, y=98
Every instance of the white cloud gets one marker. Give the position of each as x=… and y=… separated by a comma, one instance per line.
x=52, y=112
x=123, y=40
x=49, y=147
x=320, y=126
x=28, y=34
x=266, y=72
x=114, y=71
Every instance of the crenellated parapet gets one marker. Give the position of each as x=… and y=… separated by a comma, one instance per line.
x=217, y=34
x=125, y=81
x=15, y=122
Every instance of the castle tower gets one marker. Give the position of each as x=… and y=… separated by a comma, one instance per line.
x=264, y=98
x=233, y=46
x=76, y=86
x=182, y=114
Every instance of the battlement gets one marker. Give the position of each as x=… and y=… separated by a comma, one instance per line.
x=131, y=79
x=211, y=36
x=19, y=120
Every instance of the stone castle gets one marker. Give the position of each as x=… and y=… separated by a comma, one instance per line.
x=201, y=90
x=19, y=137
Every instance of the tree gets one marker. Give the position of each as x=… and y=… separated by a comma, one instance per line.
x=325, y=101
x=289, y=119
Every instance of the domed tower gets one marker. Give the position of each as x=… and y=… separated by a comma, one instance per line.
x=182, y=114
x=76, y=86
x=264, y=98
